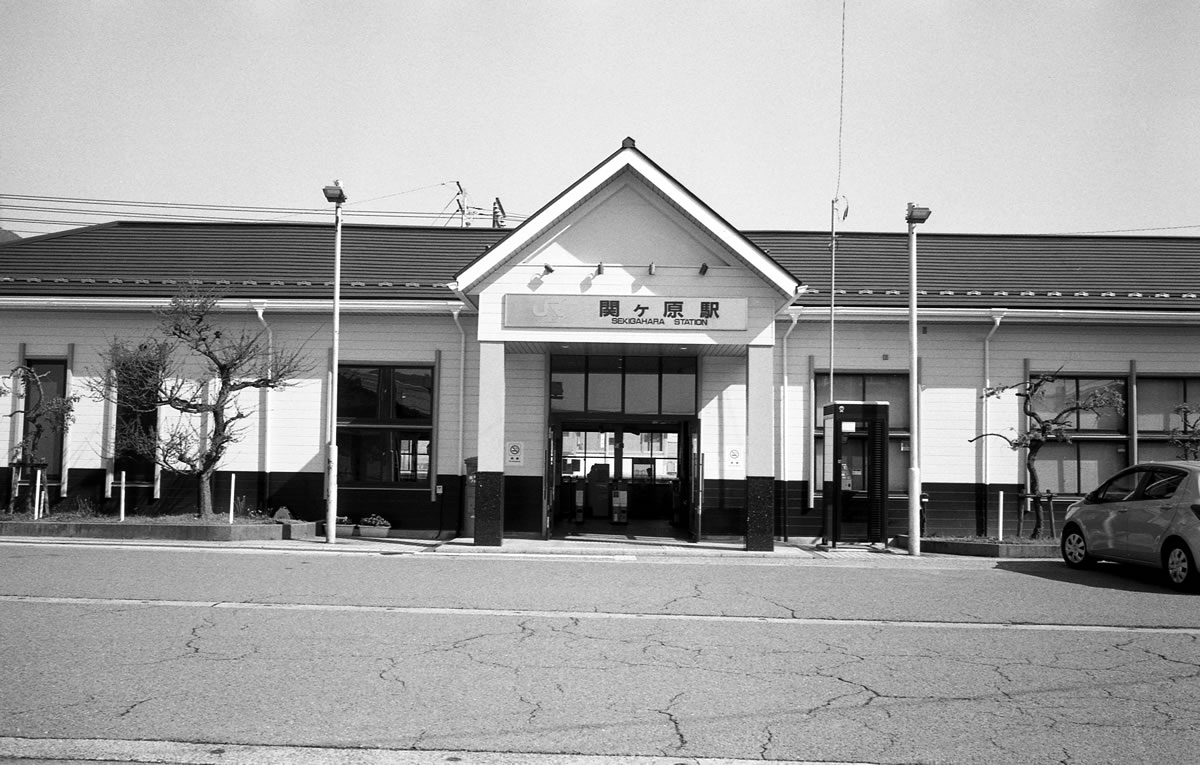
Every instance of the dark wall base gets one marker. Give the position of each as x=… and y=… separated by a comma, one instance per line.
x=724, y=510
x=954, y=509
x=523, y=504
x=489, y=508
x=303, y=494
x=760, y=507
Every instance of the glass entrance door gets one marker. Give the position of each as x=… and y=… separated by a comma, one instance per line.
x=629, y=478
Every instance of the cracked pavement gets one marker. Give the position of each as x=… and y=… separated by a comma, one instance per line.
x=922, y=662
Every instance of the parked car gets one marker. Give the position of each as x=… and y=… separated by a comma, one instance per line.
x=1148, y=515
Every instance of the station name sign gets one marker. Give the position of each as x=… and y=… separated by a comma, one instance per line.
x=624, y=312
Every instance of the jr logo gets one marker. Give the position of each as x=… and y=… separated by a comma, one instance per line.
x=549, y=308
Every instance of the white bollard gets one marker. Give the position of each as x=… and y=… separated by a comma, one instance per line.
x=232, y=487
x=122, y=517
x=37, y=493
x=1000, y=518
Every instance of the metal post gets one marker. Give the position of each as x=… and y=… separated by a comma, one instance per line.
x=122, y=517
x=232, y=494
x=331, y=506
x=915, y=216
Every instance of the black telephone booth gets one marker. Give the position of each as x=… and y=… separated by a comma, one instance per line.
x=855, y=477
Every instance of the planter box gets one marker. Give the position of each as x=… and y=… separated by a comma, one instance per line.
x=985, y=548
x=200, y=532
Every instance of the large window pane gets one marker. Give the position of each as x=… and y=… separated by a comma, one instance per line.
x=641, y=385
x=1079, y=466
x=604, y=384
x=137, y=425
x=679, y=385
x=567, y=383
x=1155, y=401
x=382, y=456
x=412, y=394
x=1065, y=392
x=1159, y=451
x=1105, y=419
x=1054, y=397
x=364, y=456
x=53, y=378
x=358, y=392
x=894, y=390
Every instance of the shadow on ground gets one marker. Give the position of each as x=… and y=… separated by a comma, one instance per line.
x=1105, y=575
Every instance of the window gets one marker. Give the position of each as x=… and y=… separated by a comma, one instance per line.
x=52, y=376
x=867, y=387
x=385, y=424
x=892, y=388
x=1157, y=399
x=623, y=384
x=1099, y=444
x=1065, y=391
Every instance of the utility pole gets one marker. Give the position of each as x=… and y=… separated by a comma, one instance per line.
x=497, y=214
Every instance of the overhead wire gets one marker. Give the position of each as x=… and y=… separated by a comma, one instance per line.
x=54, y=211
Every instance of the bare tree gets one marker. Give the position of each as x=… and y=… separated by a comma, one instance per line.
x=1042, y=427
x=1187, y=436
x=196, y=368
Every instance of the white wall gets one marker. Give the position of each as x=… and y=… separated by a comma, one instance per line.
x=286, y=430
x=952, y=379
x=723, y=416
x=525, y=411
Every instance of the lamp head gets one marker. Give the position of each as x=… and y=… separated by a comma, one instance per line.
x=335, y=194
x=916, y=214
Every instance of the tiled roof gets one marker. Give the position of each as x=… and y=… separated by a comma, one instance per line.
x=288, y=260
x=984, y=271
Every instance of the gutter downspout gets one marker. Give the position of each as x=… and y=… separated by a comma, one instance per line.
x=997, y=316
x=265, y=414
x=462, y=377
x=783, y=430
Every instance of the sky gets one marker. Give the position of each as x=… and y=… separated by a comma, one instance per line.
x=1006, y=116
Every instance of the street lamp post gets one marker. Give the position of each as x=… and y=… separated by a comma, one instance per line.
x=916, y=215
x=337, y=196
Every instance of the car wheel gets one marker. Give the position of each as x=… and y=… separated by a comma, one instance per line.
x=1180, y=566
x=1074, y=548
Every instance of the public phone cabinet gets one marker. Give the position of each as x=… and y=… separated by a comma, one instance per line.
x=855, y=479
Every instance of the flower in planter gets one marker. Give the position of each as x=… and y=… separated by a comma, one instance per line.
x=374, y=520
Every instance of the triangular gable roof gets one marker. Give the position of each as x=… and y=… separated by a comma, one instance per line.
x=628, y=157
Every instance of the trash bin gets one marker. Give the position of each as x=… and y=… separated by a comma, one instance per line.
x=468, y=516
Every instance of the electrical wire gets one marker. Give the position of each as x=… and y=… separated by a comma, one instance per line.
x=59, y=212
x=837, y=188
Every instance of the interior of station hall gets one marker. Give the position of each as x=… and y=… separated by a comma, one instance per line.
x=624, y=363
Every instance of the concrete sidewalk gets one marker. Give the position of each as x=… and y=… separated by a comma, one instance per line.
x=600, y=546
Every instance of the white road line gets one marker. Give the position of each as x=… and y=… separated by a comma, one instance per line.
x=188, y=753
x=596, y=615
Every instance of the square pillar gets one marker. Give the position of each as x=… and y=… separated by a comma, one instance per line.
x=489, y=480
x=760, y=448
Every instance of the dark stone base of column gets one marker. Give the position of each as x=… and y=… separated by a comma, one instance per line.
x=489, y=509
x=760, y=512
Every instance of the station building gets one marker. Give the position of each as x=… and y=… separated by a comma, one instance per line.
x=624, y=361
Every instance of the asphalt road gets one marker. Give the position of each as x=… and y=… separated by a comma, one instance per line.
x=231, y=656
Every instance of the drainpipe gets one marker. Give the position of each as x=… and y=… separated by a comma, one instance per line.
x=462, y=377
x=783, y=431
x=997, y=317
x=265, y=414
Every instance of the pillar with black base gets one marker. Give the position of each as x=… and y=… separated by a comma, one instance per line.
x=760, y=448
x=489, y=480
